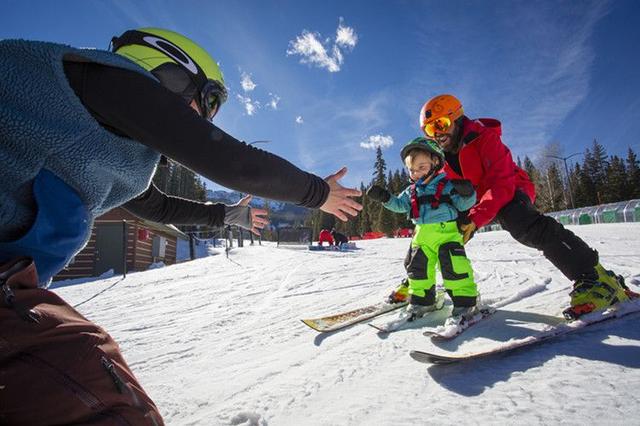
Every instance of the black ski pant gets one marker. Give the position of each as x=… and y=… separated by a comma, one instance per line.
x=572, y=256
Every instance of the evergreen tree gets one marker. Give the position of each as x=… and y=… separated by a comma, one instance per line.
x=173, y=187
x=392, y=186
x=161, y=177
x=379, y=168
x=201, y=190
x=404, y=179
x=617, y=186
x=530, y=168
x=596, y=166
x=633, y=174
x=580, y=197
x=366, y=222
x=586, y=185
x=321, y=220
x=352, y=228
x=385, y=222
x=393, y=182
x=534, y=175
x=187, y=188
x=175, y=179
x=550, y=190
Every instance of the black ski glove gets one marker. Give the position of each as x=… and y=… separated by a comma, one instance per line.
x=378, y=193
x=463, y=187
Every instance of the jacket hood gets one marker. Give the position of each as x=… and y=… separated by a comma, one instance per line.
x=479, y=125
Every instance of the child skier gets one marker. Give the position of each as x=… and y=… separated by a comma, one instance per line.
x=434, y=204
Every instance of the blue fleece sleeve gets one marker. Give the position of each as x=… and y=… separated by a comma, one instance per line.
x=459, y=202
x=400, y=203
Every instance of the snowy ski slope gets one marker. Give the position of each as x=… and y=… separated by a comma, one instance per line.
x=218, y=341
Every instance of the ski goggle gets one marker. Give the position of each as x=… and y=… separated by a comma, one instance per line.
x=439, y=125
x=212, y=96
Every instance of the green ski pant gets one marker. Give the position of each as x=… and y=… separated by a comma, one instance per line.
x=440, y=244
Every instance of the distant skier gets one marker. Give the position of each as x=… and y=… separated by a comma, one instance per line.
x=434, y=204
x=81, y=132
x=338, y=238
x=474, y=150
x=325, y=237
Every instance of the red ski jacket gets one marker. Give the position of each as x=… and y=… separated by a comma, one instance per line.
x=487, y=163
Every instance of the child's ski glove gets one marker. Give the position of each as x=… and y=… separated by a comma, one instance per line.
x=378, y=193
x=463, y=187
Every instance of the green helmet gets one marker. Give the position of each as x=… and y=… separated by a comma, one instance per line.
x=423, y=144
x=180, y=64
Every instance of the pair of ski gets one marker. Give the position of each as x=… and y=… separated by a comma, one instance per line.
x=343, y=320
x=339, y=321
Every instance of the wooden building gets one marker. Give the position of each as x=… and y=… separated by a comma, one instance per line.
x=146, y=243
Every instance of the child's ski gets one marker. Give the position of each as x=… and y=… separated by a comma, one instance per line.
x=405, y=318
x=341, y=320
x=451, y=330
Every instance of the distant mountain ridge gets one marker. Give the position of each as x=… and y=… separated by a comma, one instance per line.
x=282, y=214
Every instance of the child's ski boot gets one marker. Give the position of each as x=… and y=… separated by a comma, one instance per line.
x=417, y=310
x=400, y=294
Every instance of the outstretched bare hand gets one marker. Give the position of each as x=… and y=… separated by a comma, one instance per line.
x=338, y=202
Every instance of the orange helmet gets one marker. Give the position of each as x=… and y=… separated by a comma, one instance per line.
x=440, y=106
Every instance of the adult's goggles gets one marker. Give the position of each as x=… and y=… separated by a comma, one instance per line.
x=212, y=96
x=439, y=125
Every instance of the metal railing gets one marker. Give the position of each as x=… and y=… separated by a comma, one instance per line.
x=619, y=212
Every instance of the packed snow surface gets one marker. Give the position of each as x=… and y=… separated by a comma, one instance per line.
x=218, y=340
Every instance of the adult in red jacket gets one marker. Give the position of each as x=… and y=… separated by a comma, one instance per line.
x=474, y=151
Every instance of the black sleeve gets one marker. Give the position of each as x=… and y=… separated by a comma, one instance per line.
x=134, y=105
x=156, y=206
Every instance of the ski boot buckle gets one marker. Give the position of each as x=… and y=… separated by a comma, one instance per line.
x=575, y=312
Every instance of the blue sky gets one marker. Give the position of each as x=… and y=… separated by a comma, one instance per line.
x=326, y=81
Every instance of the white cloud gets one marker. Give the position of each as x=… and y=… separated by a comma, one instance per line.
x=249, y=104
x=315, y=52
x=247, y=83
x=274, y=101
x=346, y=36
x=382, y=141
x=312, y=52
x=299, y=119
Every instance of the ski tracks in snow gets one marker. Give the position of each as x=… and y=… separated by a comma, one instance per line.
x=220, y=342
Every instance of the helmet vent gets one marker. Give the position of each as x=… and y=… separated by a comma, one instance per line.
x=173, y=51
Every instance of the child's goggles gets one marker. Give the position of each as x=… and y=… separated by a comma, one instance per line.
x=439, y=125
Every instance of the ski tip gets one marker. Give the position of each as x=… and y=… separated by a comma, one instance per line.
x=311, y=323
x=430, y=358
x=379, y=329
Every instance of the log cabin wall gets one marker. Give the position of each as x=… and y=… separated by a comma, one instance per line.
x=139, y=251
